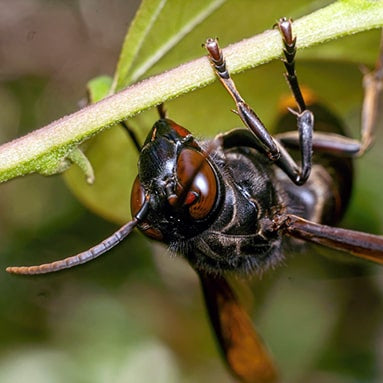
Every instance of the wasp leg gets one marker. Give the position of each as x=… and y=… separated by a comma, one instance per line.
x=338, y=145
x=247, y=115
x=244, y=137
x=289, y=42
x=265, y=142
x=359, y=244
x=305, y=118
x=373, y=85
x=328, y=143
x=238, y=137
x=342, y=146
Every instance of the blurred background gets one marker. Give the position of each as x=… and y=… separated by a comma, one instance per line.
x=136, y=315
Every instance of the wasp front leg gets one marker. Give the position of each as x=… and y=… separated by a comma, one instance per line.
x=263, y=141
x=266, y=142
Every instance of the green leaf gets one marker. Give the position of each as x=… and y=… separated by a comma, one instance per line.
x=158, y=27
x=99, y=88
x=138, y=30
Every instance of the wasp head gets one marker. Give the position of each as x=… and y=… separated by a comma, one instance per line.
x=178, y=179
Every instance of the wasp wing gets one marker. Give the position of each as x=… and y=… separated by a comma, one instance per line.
x=242, y=347
x=362, y=245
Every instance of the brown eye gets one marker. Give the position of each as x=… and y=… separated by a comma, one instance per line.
x=137, y=199
x=204, y=183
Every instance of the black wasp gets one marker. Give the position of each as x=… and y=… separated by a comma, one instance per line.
x=230, y=204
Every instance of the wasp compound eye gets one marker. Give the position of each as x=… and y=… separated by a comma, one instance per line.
x=137, y=200
x=195, y=173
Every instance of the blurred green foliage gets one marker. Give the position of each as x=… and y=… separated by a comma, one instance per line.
x=136, y=315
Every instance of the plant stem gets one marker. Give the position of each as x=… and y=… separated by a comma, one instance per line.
x=43, y=150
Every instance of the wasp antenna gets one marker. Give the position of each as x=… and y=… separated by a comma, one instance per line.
x=132, y=135
x=87, y=255
x=80, y=258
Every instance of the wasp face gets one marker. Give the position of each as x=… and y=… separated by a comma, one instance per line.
x=179, y=181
